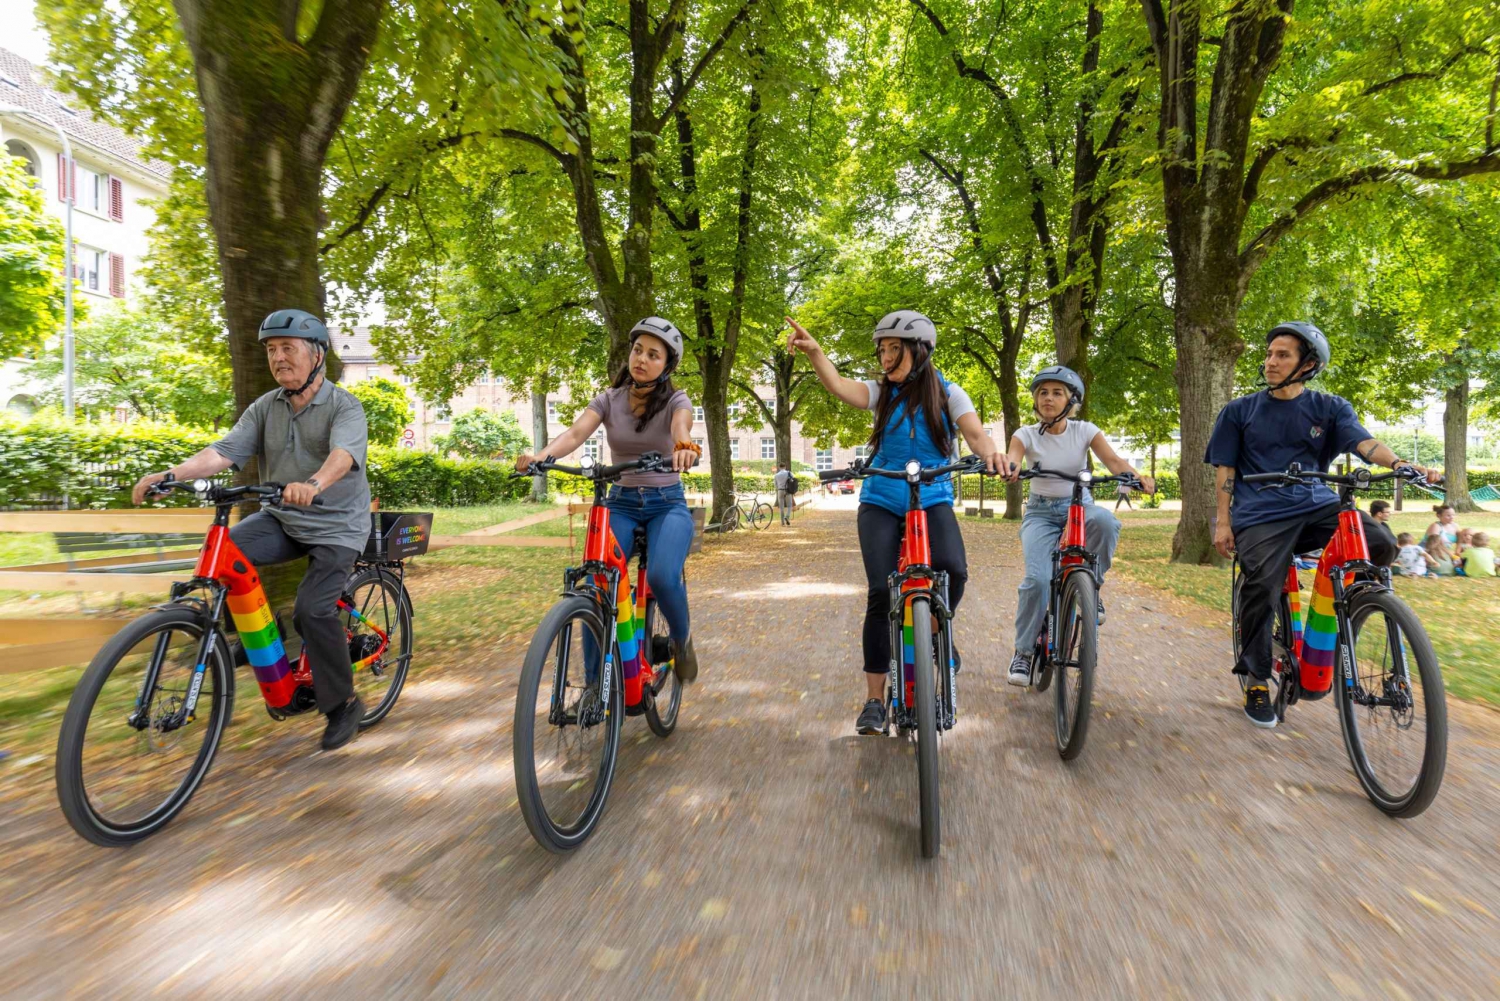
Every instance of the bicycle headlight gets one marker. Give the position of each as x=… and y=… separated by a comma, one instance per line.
x=1085, y=477
x=913, y=468
x=586, y=462
x=201, y=487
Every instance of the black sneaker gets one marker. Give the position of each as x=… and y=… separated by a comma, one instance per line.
x=343, y=724
x=685, y=661
x=1020, y=671
x=871, y=718
x=1258, y=706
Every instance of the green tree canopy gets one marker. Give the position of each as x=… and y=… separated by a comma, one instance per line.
x=481, y=434
x=387, y=409
x=31, y=262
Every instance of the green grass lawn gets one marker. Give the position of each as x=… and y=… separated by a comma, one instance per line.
x=1462, y=615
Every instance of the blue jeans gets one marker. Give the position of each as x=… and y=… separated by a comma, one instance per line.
x=669, y=531
x=1041, y=528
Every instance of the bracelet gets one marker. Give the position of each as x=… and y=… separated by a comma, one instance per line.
x=689, y=446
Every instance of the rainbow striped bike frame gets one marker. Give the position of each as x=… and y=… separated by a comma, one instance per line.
x=605, y=563
x=1315, y=638
x=235, y=588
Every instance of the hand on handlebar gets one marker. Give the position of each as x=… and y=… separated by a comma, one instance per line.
x=299, y=494
x=524, y=462
x=147, y=486
x=1009, y=471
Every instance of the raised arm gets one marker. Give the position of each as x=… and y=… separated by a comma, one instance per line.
x=851, y=391
x=980, y=443
x=206, y=463
x=1377, y=453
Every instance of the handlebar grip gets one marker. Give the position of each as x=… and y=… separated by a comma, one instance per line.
x=1264, y=477
x=833, y=475
x=317, y=502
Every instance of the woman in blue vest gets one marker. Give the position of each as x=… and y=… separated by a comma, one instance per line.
x=916, y=414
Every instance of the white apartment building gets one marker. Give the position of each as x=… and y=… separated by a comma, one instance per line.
x=112, y=184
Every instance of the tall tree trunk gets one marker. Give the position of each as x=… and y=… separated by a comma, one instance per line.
x=271, y=105
x=1456, y=445
x=539, y=438
x=1207, y=347
x=1010, y=414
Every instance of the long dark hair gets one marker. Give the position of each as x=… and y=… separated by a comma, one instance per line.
x=661, y=393
x=922, y=389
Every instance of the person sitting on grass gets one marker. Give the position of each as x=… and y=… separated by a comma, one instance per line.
x=1411, y=559
x=1442, y=557
x=1461, y=550
x=1381, y=511
x=1480, y=560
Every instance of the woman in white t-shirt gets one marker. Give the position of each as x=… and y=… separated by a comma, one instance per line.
x=1058, y=443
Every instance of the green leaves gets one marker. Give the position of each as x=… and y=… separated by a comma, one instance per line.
x=31, y=262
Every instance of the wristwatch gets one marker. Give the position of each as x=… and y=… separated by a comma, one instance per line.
x=313, y=480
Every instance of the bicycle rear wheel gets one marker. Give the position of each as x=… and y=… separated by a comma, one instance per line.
x=666, y=688
x=1392, y=710
x=127, y=761
x=760, y=515
x=566, y=735
x=927, y=740
x=1076, y=650
x=382, y=603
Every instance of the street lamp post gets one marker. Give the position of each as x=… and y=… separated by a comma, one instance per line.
x=67, y=185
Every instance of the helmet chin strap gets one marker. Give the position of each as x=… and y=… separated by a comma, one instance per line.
x=1048, y=425
x=1290, y=380
x=313, y=375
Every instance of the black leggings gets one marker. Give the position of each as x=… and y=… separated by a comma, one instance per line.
x=880, y=544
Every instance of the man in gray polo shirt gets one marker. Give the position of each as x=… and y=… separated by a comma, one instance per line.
x=310, y=435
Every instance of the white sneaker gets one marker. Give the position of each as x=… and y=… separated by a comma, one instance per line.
x=1020, y=671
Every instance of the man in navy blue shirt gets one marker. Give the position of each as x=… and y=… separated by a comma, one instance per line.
x=1264, y=433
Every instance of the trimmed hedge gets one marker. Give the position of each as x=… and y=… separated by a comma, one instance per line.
x=1167, y=488
x=44, y=459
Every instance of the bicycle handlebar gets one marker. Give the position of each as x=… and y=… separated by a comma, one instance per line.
x=859, y=469
x=1085, y=477
x=269, y=493
x=649, y=462
x=1359, y=479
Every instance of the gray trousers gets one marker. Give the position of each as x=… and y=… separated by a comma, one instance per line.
x=784, y=504
x=315, y=614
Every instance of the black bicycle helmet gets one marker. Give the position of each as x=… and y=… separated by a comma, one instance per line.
x=1313, y=343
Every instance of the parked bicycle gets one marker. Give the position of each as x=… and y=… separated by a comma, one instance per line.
x=1069, y=638
x=1394, y=720
x=923, y=700
x=753, y=512
x=133, y=749
x=602, y=653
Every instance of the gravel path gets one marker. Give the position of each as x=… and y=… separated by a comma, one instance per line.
x=765, y=851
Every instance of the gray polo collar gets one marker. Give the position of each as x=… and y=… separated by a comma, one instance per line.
x=321, y=396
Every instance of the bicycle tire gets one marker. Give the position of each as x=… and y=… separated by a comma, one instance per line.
x=72, y=790
x=1429, y=778
x=732, y=517
x=1079, y=611
x=668, y=694
x=1282, y=634
x=401, y=604
x=535, y=669
x=928, y=793
x=761, y=516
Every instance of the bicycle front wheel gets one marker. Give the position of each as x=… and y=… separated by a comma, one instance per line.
x=927, y=739
x=760, y=515
x=1076, y=650
x=1391, y=706
x=129, y=759
x=379, y=602
x=567, y=725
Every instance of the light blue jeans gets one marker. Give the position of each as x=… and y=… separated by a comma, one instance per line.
x=1041, y=527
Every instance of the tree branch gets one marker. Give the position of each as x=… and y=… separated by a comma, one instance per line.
x=538, y=142
x=707, y=57
x=1260, y=245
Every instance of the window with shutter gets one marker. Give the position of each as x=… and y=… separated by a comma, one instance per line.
x=62, y=178
x=117, y=276
x=116, y=199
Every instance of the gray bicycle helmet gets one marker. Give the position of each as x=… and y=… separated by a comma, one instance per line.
x=664, y=331
x=294, y=323
x=1062, y=374
x=907, y=324
x=1312, y=339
